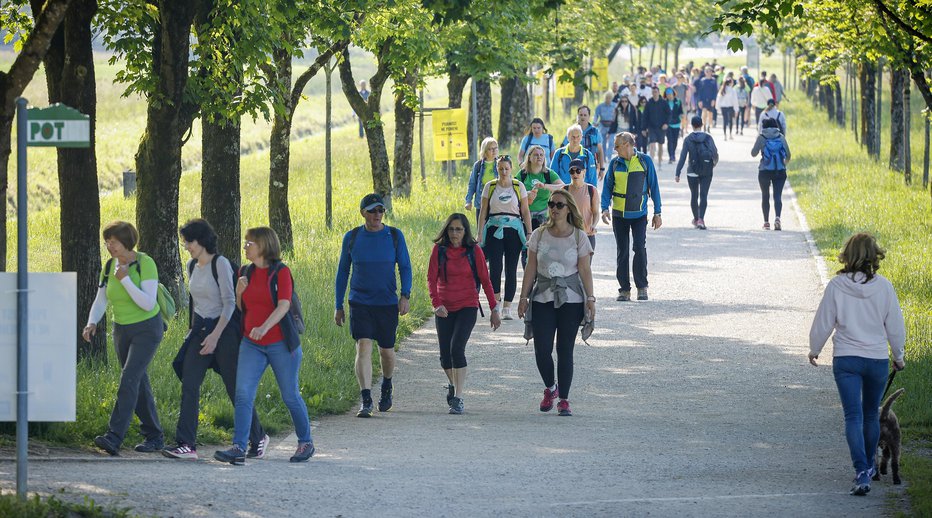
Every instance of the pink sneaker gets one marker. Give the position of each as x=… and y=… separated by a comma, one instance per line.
x=700, y=224
x=546, y=404
x=766, y=225
x=564, y=408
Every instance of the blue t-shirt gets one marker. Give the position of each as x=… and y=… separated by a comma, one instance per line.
x=373, y=260
x=545, y=140
x=605, y=114
x=591, y=140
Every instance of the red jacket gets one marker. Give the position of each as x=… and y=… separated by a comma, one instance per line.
x=458, y=289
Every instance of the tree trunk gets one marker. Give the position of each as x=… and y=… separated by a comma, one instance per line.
x=907, y=123
x=676, y=58
x=827, y=98
x=653, y=49
x=613, y=52
x=484, y=101
x=280, y=151
x=868, y=78
x=455, y=85
x=369, y=113
x=546, y=113
x=666, y=49
x=69, y=72
x=158, y=159
x=897, y=139
x=220, y=189
x=12, y=84
x=404, y=137
x=879, y=93
x=839, y=105
x=514, y=114
x=328, y=146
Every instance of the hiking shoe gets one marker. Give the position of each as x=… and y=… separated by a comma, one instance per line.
x=385, y=401
x=257, y=451
x=872, y=473
x=150, y=446
x=304, y=452
x=623, y=296
x=766, y=225
x=776, y=224
x=546, y=404
x=457, y=406
x=506, y=313
x=862, y=484
x=700, y=224
x=234, y=456
x=642, y=293
x=365, y=409
x=564, y=408
x=104, y=443
x=182, y=451
x=451, y=391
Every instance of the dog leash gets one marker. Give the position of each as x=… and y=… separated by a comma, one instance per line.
x=889, y=382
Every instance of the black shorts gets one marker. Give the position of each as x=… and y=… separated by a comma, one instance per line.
x=655, y=135
x=377, y=323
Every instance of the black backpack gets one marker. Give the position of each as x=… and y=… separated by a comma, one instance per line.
x=471, y=257
x=237, y=315
x=292, y=324
x=702, y=161
x=522, y=176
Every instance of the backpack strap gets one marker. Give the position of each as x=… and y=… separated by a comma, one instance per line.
x=107, y=268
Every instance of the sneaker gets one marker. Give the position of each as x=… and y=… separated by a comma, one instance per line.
x=182, y=451
x=457, y=406
x=506, y=313
x=546, y=404
x=700, y=224
x=451, y=391
x=776, y=224
x=104, y=443
x=365, y=409
x=385, y=401
x=695, y=222
x=624, y=296
x=150, y=446
x=257, y=451
x=862, y=484
x=642, y=293
x=766, y=225
x=872, y=473
x=234, y=456
x=303, y=453
x=564, y=408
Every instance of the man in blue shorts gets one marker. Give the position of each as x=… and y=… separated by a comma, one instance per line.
x=371, y=251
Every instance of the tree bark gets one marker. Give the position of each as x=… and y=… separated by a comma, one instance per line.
x=220, y=175
x=839, y=105
x=280, y=150
x=369, y=113
x=455, y=85
x=907, y=123
x=897, y=138
x=514, y=114
x=404, y=138
x=158, y=159
x=676, y=59
x=69, y=72
x=868, y=79
x=827, y=98
x=12, y=84
x=484, y=101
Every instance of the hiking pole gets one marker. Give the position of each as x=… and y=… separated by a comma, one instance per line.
x=889, y=382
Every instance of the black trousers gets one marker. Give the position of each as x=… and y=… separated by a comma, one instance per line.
x=453, y=332
x=630, y=234
x=699, y=194
x=778, y=179
x=196, y=365
x=503, y=255
x=561, y=323
x=728, y=124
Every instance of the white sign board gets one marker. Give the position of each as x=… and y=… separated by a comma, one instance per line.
x=58, y=126
x=52, y=323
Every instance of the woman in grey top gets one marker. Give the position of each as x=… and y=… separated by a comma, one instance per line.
x=213, y=338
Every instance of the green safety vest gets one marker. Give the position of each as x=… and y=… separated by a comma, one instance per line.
x=628, y=191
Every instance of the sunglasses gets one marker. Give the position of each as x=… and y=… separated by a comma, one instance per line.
x=503, y=157
x=377, y=210
x=575, y=171
x=559, y=205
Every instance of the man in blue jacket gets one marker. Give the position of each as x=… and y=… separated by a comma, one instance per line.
x=372, y=251
x=630, y=180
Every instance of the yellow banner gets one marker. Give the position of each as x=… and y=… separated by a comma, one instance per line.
x=600, y=82
x=450, y=138
x=539, y=85
x=565, y=88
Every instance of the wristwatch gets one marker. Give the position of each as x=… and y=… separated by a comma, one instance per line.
x=590, y=298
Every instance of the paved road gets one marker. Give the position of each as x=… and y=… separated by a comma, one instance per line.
x=699, y=402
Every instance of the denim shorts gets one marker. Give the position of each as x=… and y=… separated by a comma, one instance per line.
x=377, y=323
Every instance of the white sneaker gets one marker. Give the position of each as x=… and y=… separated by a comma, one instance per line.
x=506, y=314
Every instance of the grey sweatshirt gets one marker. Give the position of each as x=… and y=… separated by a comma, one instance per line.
x=768, y=133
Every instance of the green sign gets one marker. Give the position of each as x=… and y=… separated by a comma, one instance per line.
x=58, y=126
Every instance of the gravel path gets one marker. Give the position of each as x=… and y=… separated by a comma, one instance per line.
x=699, y=402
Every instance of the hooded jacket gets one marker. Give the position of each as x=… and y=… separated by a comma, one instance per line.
x=765, y=134
x=866, y=318
x=691, y=149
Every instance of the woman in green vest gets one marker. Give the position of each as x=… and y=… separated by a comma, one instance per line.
x=540, y=181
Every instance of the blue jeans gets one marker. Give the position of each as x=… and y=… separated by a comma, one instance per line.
x=253, y=359
x=860, y=384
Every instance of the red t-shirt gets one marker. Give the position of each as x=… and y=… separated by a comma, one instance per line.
x=458, y=290
x=257, y=302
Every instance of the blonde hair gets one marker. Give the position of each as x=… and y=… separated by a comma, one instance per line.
x=861, y=253
x=527, y=157
x=266, y=239
x=573, y=216
x=485, y=147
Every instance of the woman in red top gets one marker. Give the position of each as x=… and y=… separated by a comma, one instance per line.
x=455, y=265
x=264, y=343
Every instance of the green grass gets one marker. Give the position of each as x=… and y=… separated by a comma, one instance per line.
x=842, y=192
x=36, y=507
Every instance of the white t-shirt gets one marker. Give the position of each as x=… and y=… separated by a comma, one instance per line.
x=558, y=257
x=503, y=199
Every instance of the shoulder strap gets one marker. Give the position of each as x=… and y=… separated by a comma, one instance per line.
x=471, y=257
x=394, y=232
x=527, y=144
x=107, y=268
x=352, y=240
x=592, y=192
x=522, y=175
x=213, y=268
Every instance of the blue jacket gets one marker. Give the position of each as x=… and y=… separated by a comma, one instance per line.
x=591, y=139
x=651, y=186
x=474, y=191
x=373, y=260
x=561, y=164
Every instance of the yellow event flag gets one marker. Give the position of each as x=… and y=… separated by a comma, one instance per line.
x=450, y=139
x=600, y=81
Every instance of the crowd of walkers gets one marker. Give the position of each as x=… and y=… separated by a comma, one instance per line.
x=542, y=211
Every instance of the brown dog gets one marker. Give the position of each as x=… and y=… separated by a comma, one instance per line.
x=889, y=439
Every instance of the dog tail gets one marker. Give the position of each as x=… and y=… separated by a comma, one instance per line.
x=889, y=403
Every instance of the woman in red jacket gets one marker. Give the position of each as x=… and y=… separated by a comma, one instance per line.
x=457, y=268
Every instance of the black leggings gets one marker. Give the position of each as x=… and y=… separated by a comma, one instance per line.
x=453, y=332
x=728, y=115
x=509, y=248
x=699, y=194
x=765, y=178
x=673, y=137
x=564, y=323
x=741, y=113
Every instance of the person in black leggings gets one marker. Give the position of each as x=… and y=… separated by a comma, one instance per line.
x=775, y=153
x=698, y=175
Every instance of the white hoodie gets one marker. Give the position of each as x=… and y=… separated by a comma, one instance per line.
x=865, y=317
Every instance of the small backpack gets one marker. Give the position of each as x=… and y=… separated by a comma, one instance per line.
x=548, y=173
x=704, y=158
x=163, y=297
x=774, y=154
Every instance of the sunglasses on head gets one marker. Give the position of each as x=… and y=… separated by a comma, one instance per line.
x=376, y=210
x=503, y=157
x=559, y=205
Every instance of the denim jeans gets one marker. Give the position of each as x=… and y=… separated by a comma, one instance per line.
x=860, y=384
x=638, y=233
x=253, y=359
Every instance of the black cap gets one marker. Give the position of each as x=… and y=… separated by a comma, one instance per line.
x=697, y=121
x=771, y=102
x=371, y=201
x=577, y=164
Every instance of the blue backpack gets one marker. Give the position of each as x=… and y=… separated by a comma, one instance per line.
x=774, y=154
